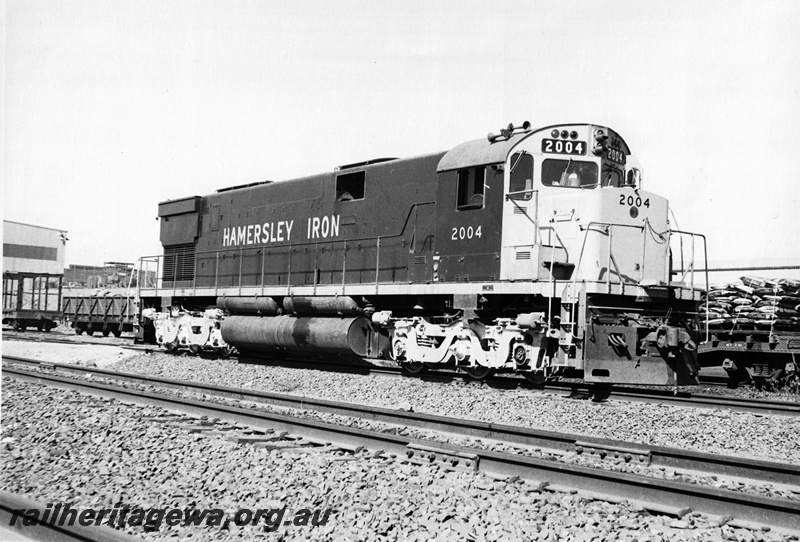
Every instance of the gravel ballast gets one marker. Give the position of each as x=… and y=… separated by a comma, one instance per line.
x=774, y=438
x=771, y=438
x=61, y=446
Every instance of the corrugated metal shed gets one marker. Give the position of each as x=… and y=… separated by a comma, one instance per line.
x=33, y=249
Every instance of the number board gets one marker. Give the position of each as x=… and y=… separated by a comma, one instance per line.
x=559, y=146
x=616, y=155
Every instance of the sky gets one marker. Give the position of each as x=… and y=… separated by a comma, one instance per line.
x=111, y=107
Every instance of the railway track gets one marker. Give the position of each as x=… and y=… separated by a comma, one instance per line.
x=662, y=396
x=41, y=529
x=580, y=390
x=59, y=338
x=666, y=496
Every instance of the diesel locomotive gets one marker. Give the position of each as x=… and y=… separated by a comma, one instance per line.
x=534, y=251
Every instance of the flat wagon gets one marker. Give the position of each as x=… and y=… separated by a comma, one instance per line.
x=107, y=314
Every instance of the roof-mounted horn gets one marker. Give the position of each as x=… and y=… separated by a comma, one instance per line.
x=507, y=132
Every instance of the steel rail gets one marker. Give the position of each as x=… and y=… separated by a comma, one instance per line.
x=12, y=506
x=546, y=441
x=664, y=496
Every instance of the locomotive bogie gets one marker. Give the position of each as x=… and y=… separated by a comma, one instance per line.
x=179, y=330
x=501, y=347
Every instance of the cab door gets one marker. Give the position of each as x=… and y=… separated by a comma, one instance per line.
x=520, y=215
x=468, y=216
x=421, y=247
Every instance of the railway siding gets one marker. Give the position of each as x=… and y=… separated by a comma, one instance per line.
x=601, y=452
x=369, y=495
x=672, y=497
x=770, y=438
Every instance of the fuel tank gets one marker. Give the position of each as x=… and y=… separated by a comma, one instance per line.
x=349, y=336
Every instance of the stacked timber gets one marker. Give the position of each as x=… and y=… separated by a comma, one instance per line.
x=754, y=302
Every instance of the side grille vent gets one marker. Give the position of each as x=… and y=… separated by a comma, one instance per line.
x=179, y=262
x=525, y=255
x=520, y=210
x=420, y=260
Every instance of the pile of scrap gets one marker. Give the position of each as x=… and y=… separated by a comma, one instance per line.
x=754, y=302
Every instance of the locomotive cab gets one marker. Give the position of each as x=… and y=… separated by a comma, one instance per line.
x=576, y=217
x=564, y=182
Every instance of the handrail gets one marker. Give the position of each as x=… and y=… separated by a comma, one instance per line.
x=290, y=251
x=608, y=227
x=691, y=268
x=535, y=221
x=587, y=229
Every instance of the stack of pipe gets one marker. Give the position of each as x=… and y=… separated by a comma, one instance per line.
x=754, y=302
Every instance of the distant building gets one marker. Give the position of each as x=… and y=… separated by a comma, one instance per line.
x=33, y=249
x=33, y=270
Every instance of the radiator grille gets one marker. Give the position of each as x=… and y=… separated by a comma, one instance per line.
x=520, y=210
x=420, y=259
x=524, y=255
x=179, y=262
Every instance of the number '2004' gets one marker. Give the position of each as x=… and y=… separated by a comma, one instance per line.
x=465, y=233
x=630, y=200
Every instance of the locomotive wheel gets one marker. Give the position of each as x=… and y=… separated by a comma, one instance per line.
x=19, y=326
x=171, y=346
x=478, y=372
x=195, y=349
x=40, y=326
x=89, y=331
x=78, y=330
x=116, y=333
x=106, y=332
x=535, y=378
x=413, y=367
x=225, y=352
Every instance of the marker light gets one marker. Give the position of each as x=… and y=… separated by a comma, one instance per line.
x=554, y=133
x=573, y=134
x=564, y=134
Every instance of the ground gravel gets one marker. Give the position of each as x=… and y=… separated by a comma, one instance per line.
x=613, y=462
x=75, y=352
x=774, y=438
x=61, y=446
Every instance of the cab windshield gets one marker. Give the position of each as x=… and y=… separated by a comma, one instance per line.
x=569, y=173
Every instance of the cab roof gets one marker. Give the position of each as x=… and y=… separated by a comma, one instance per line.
x=480, y=152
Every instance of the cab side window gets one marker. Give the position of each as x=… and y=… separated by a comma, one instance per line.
x=521, y=178
x=470, y=188
x=350, y=186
